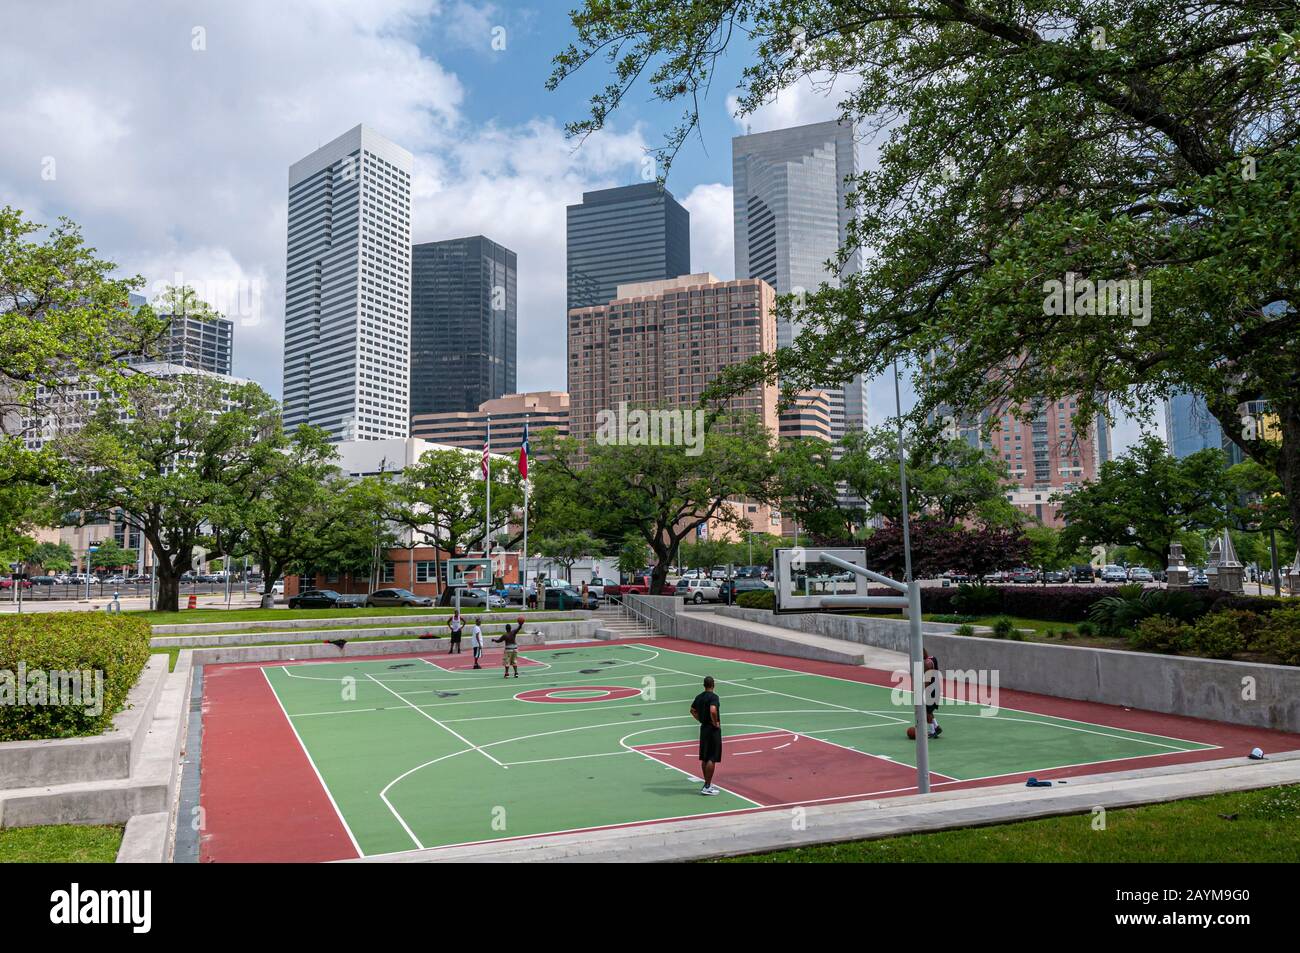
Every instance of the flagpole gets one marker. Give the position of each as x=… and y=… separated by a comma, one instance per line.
x=523, y=570
x=487, y=475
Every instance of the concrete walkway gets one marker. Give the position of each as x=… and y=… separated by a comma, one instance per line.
x=860, y=654
x=784, y=828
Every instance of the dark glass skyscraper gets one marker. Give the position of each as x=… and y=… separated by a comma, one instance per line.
x=624, y=235
x=464, y=324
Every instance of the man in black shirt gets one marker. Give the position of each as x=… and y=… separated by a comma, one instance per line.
x=706, y=710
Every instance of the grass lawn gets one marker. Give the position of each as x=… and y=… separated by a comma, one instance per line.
x=60, y=844
x=188, y=616
x=1266, y=829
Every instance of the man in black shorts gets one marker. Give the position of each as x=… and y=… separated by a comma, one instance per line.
x=706, y=710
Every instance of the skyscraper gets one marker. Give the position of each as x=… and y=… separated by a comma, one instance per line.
x=347, y=320
x=202, y=344
x=1189, y=425
x=789, y=195
x=624, y=235
x=464, y=317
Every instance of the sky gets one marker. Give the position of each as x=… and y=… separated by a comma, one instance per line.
x=166, y=131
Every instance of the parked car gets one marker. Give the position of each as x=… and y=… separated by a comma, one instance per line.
x=699, y=590
x=8, y=583
x=277, y=587
x=565, y=597
x=598, y=586
x=1081, y=573
x=1198, y=580
x=1024, y=574
x=1114, y=573
x=1057, y=575
x=1140, y=574
x=323, y=599
x=480, y=598
x=732, y=588
x=43, y=581
x=393, y=598
x=117, y=580
x=718, y=572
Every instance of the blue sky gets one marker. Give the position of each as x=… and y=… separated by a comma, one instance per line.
x=167, y=130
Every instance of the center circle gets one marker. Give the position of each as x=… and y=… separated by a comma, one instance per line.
x=577, y=694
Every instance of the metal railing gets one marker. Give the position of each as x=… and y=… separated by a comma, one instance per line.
x=652, y=615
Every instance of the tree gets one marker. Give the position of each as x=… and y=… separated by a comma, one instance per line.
x=662, y=494
x=53, y=557
x=568, y=548
x=806, y=478
x=281, y=520
x=948, y=479
x=938, y=547
x=64, y=320
x=110, y=555
x=1147, y=149
x=1146, y=499
x=188, y=447
x=1047, y=550
x=356, y=528
x=443, y=498
x=632, y=555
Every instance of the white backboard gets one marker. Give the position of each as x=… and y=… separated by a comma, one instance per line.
x=468, y=572
x=802, y=582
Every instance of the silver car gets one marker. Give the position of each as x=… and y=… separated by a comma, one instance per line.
x=481, y=598
x=384, y=598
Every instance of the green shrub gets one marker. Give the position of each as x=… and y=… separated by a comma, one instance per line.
x=1003, y=628
x=1159, y=633
x=1066, y=634
x=1279, y=635
x=953, y=619
x=1217, y=635
x=1120, y=613
x=758, y=599
x=977, y=600
x=116, y=645
x=1050, y=633
x=965, y=629
x=1086, y=630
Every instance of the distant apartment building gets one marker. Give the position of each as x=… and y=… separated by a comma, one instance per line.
x=790, y=191
x=658, y=344
x=348, y=289
x=464, y=324
x=541, y=410
x=1046, y=454
x=624, y=235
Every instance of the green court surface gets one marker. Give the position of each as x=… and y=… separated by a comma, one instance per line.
x=415, y=755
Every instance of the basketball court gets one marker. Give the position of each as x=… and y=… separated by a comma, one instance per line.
x=369, y=756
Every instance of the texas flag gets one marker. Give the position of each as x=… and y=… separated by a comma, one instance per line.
x=523, y=454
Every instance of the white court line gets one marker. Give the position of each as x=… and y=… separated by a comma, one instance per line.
x=1001, y=708
x=421, y=711
x=310, y=761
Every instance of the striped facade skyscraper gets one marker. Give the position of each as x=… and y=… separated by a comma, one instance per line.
x=347, y=328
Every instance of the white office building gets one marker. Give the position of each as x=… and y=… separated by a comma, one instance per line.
x=347, y=322
x=791, y=217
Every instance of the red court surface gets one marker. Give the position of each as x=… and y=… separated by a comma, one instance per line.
x=263, y=798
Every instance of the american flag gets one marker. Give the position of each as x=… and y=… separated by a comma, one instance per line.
x=484, y=465
x=523, y=454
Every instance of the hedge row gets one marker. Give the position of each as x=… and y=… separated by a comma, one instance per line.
x=1061, y=603
x=34, y=646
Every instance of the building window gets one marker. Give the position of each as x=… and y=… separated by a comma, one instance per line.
x=388, y=573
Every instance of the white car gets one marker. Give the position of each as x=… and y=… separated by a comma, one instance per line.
x=699, y=590
x=277, y=587
x=1114, y=573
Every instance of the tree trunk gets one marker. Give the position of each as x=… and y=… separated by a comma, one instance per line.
x=1288, y=468
x=169, y=590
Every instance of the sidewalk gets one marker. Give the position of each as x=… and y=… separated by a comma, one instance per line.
x=214, y=600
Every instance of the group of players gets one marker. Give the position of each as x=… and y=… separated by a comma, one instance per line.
x=707, y=706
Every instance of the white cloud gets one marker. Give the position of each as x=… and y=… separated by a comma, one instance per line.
x=175, y=159
x=809, y=100
x=712, y=229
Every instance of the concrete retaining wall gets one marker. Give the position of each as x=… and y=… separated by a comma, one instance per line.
x=586, y=628
x=1199, y=688
x=361, y=619
x=318, y=650
x=892, y=634
x=96, y=758
x=699, y=627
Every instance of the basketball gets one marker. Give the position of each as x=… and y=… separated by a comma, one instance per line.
x=911, y=732
x=520, y=620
